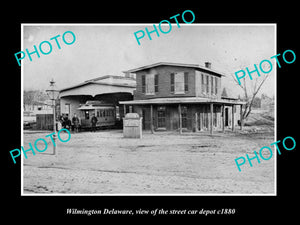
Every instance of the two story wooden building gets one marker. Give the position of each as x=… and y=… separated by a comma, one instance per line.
x=176, y=96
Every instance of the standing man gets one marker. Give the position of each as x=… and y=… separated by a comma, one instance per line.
x=75, y=121
x=94, y=122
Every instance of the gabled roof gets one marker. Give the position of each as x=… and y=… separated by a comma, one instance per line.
x=195, y=66
x=229, y=96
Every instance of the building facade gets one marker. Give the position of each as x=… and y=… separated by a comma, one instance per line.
x=175, y=96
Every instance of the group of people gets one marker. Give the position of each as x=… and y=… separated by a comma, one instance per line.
x=75, y=123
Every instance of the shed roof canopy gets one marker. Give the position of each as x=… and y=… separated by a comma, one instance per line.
x=181, y=100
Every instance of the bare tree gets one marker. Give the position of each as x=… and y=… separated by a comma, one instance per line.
x=28, y=99
x=33, y=97
x=250, y=90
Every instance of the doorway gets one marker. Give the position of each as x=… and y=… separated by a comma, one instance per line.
x=161, y=117
x=226, y=117
x=184, y=116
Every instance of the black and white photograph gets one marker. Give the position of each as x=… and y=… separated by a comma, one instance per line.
x=149, y=111
x=167, y=116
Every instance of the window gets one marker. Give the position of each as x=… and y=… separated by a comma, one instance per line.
x=186, y=81
x=172, y=82
x=117, y=112
x=87, y=115
x=149, y=84
x=216, y=85
x=212, y=85
x=203, y=88
x=143, y=84
x=67, y=108
x=207, y=84
x=179, y=83
x=156, y=83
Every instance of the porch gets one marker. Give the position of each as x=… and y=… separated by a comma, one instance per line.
x=192, y=114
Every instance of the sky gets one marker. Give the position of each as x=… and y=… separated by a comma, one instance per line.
x=109, y=49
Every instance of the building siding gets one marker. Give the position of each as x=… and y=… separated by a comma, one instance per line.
x=164, y=82
x=195, y=87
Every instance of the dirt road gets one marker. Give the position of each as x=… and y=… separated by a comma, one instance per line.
x=163, y=163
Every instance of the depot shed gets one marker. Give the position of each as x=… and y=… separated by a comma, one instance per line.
x=109, y=89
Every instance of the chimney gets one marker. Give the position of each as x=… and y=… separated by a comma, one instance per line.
x=208, y=65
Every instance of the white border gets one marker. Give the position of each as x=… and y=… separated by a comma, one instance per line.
x=149, y=24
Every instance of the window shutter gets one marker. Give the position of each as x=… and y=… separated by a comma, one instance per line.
x=156, y=83
x=216, y=85
x=172, y=82
x=186, y=81
x=212, y=85
x=202, y=83
x=207, y=84
x=143, y=84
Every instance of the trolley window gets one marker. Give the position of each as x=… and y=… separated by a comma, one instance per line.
x=87, y=114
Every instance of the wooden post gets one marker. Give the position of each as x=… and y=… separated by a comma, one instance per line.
x=151, y=119
x=241, y=116
x=232, y=120
x=201, y=120
x=223, y=118
x=180, y=119
x=211, y=118
x=196, y=122
x=124, y=107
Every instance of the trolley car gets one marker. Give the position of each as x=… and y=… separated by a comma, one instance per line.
x=105, y=113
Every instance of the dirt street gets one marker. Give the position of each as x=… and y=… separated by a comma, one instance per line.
x=163, y=163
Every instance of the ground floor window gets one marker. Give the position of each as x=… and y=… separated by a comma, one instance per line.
x=117, y=113
x=67, y=108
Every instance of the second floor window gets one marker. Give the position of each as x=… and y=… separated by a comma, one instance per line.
x=179, y=82
x=212, y=85
x=156, y=83
x=216, y=85
x=150, y=84
x=205, y=83
x=209, y=84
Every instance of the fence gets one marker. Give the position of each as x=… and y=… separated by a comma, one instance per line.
x=44, y=121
